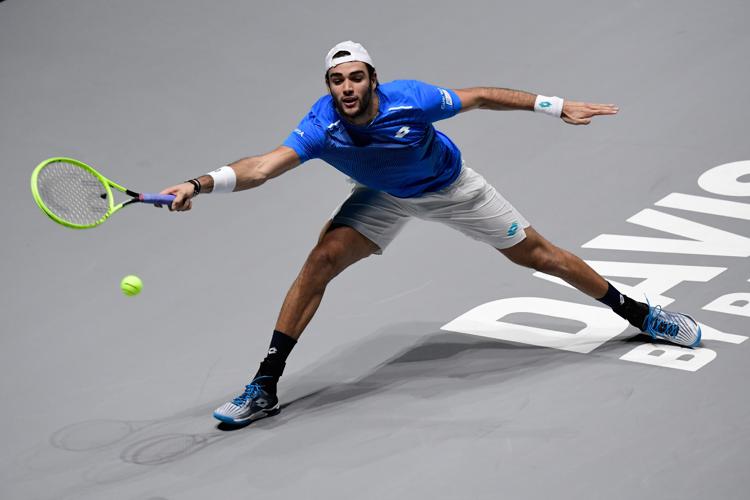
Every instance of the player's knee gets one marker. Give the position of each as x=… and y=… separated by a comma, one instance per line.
x=325, y=260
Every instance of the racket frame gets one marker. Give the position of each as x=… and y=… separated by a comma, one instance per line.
x=106, y=183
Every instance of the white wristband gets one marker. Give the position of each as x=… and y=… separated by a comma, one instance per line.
x=224, y=180
x=548, y=105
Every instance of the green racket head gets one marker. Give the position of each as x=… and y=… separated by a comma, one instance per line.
x=71, y=193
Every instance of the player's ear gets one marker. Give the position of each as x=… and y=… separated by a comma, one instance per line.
x=374, y=80
x=327, y=82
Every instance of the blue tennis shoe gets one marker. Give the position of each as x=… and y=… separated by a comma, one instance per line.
x=674, y=327
x=254, y=403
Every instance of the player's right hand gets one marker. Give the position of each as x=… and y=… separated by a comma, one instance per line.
x=183, y=196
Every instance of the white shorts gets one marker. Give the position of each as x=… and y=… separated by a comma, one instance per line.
x=470, y=204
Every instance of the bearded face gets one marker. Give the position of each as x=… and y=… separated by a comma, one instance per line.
x=352, y=89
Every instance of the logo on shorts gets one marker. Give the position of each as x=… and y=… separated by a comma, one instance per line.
x=272, y=350
x=513, y=229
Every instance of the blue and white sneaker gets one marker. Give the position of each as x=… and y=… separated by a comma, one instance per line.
x=674, y=327
x=256, y=402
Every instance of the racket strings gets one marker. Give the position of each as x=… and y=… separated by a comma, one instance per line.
x=72, y=193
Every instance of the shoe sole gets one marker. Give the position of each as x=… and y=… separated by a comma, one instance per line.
x=253, y=417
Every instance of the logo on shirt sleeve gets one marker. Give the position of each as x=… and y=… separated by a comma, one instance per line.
x=299, y=132
x=447, y=99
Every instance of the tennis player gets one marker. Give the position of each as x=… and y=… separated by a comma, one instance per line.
x=382, y=136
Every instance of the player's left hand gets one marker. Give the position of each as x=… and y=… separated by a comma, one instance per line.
x=581, y=113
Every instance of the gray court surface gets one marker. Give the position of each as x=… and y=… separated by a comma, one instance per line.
x=391, y=392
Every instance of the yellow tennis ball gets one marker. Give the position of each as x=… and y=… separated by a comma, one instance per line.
x=131, y=285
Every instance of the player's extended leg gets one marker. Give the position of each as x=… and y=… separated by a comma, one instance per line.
x=471, y=205
x=538, y=253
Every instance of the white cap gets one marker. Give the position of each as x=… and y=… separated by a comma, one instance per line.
x=356, y=53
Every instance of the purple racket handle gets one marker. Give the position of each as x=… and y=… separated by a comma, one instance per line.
x=156, y=199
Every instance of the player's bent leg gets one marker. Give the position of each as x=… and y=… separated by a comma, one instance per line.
x=339, y=247
x=364, y=224
x=538, y=253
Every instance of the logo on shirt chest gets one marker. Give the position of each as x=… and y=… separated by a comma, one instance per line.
x=402, y=132
x=389, y=136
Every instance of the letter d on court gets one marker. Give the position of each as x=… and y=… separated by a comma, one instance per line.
x=601, y=324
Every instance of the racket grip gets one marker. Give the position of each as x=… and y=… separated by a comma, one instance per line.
x=157, y=199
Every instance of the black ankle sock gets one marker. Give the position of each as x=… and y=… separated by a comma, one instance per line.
x=273, y=365
x=625, y=307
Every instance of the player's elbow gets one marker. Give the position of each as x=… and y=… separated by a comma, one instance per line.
x=481, y=98
x=472, y=98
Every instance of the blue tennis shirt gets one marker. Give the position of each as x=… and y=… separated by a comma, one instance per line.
x=399, y=152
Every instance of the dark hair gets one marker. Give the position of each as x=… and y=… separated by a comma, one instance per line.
x=342, y=53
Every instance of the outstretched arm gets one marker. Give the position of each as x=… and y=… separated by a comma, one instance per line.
x=573, y=112
x=249, y=172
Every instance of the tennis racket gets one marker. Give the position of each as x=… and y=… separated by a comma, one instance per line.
x=75, y=195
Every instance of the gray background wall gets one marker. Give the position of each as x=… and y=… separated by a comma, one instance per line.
x=108, y=396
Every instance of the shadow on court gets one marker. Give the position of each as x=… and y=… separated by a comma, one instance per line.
x=433, y=365
x=416, y=361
